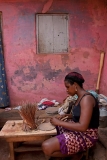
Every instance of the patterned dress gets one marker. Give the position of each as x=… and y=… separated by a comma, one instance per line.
x=72, y=142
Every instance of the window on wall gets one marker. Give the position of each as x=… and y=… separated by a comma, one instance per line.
x=52, y=33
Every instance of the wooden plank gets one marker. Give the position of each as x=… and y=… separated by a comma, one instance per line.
x=60, y=27
x=27, y=148
x=27, y=138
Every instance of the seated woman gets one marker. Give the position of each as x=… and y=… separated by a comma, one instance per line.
x=81, y=131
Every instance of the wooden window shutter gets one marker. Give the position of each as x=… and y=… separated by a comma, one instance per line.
x=52, y=33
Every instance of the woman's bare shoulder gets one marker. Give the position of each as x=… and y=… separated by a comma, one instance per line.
x=88, y=99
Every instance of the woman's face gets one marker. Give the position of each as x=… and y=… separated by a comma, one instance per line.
x=70, y=88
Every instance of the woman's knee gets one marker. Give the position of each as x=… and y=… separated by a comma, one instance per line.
x=51, y=145
x=46, y=148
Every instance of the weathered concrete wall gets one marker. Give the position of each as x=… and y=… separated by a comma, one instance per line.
x=32, y=76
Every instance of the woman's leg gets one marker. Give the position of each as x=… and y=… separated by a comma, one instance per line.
x=51, y=147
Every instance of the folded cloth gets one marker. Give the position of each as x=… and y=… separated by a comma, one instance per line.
x=93, y=93
x=48, y=103
x=41, y=107
x=43, y=100
x=44, y=103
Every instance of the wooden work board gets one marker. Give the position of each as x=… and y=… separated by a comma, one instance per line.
x=14, y=128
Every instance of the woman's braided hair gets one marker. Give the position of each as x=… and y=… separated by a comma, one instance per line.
x=74, y=77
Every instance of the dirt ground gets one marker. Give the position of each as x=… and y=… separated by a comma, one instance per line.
x=99, y=153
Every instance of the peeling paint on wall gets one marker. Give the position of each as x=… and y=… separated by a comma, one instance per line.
x=32, y=76
x=47, y=6
x=86, y=54
x=27, y=73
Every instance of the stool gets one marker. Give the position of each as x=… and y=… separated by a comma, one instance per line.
x=86, y=154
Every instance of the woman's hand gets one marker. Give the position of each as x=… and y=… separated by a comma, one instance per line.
x=61, y=117
x=55, y=121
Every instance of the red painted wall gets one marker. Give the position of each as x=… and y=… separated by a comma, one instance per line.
x=31, y=76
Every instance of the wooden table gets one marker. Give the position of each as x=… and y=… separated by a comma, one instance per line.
x=14, y=133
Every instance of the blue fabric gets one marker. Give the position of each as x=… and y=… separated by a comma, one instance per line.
x=4, y=98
